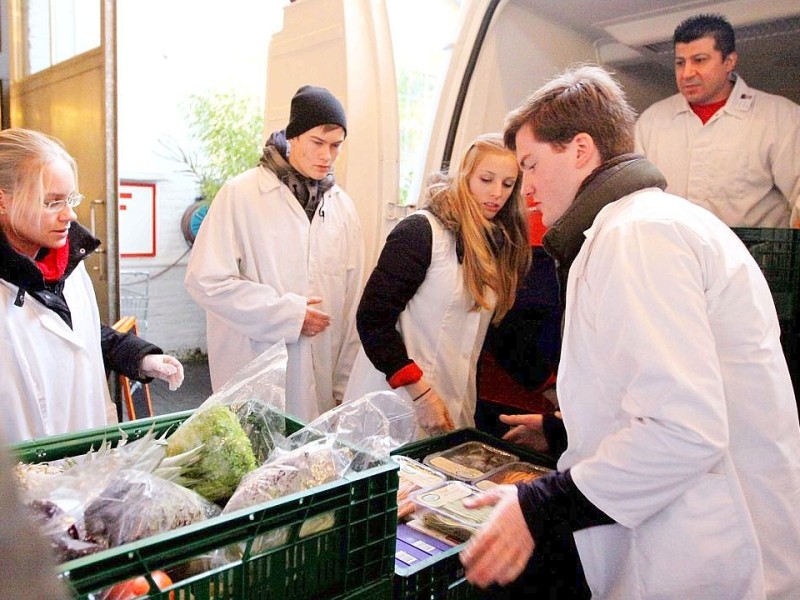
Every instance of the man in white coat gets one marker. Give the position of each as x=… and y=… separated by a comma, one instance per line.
x=280, y=257
x=723, y=145
x=681, y=477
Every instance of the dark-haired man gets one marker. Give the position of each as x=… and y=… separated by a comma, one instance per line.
x=723, y=145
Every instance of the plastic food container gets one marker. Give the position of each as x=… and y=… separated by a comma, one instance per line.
x=442, y=508
x=510, y=474
x=415, y=473
x=413, y=476
x=469, y=461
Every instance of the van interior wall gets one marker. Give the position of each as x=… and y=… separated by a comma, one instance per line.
x=644, y=83
x=521, y=52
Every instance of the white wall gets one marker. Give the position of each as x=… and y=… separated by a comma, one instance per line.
x=520, y=52
x=166, y=52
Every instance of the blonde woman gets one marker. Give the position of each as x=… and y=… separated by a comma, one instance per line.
x=444, y=274
x=51, y=339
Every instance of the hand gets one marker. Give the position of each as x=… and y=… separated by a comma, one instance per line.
x=526, y=431
x=316, y=321
x=502, y=547
x=164, y=367
x=432, y=414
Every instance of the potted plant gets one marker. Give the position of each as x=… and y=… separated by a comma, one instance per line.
x=225, y=131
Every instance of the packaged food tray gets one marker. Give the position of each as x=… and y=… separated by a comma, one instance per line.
x=442, y=509
x=441, y=576
x=469, y=461
x=355, y=556
x=510, y=474
x=413, y=475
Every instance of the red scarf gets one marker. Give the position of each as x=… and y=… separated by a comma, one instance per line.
x=54, y=263
x=706, y=111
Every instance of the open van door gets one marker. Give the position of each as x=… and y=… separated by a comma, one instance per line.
x=506, y=49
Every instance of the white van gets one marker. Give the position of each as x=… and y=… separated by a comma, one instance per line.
x=502, y=51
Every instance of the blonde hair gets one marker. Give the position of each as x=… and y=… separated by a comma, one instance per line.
x=24, y=155
x=485, y=266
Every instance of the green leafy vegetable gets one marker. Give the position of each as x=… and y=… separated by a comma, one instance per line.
x=226, y=453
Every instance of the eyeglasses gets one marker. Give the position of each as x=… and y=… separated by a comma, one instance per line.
x=72, y=200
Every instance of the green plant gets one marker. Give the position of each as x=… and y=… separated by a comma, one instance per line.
x=225, y=130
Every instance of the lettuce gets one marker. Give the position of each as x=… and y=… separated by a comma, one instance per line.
x=226, y=452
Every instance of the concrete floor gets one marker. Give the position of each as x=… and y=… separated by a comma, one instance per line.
x=194, y=391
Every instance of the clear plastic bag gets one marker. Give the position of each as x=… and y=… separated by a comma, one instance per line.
x=237, y=427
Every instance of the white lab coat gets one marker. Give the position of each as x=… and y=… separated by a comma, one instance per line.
x=743, y=164
x=256, y=261
x=441, y=334
x=53, y=380
x=679, y=409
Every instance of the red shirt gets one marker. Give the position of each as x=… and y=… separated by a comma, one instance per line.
x=706, y=111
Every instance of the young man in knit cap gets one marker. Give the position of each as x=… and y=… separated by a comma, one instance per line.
x=280, y=257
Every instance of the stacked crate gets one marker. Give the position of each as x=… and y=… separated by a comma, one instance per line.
x=352, y=559
x=777, y=252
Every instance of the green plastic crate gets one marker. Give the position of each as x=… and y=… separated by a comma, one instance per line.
x=380, y=590
x=441, y=577
x=354, y=554
x=777, y=252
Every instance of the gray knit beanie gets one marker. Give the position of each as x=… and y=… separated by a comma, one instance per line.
x=313, y=106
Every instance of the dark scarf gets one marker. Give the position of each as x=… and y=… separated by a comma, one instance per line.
x=614, y=179
x=308, y=192
x=23, y=272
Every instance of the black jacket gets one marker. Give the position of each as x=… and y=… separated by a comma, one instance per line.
x=121, y=352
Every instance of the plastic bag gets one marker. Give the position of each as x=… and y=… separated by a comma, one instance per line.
x=237, y=427
x=95, y=505
x=136, y=505
x=257, y=394
x=376, y=424
x=291, y=471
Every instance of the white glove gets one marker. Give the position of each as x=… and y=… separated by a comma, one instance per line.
x=432, y=414
x=164, y=367
x=502, y=547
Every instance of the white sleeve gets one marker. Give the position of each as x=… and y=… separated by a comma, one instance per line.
x=355, y=276
x=648, y=296
x=214, y=279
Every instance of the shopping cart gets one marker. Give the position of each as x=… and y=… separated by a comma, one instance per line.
x=134, y=290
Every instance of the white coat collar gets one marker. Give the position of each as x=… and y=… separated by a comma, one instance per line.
x=738, y=103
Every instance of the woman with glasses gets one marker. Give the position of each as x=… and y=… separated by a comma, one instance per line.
x=53, y=345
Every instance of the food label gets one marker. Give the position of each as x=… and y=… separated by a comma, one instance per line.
x=453, y=468
x=449, y=499
x=419, y=475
